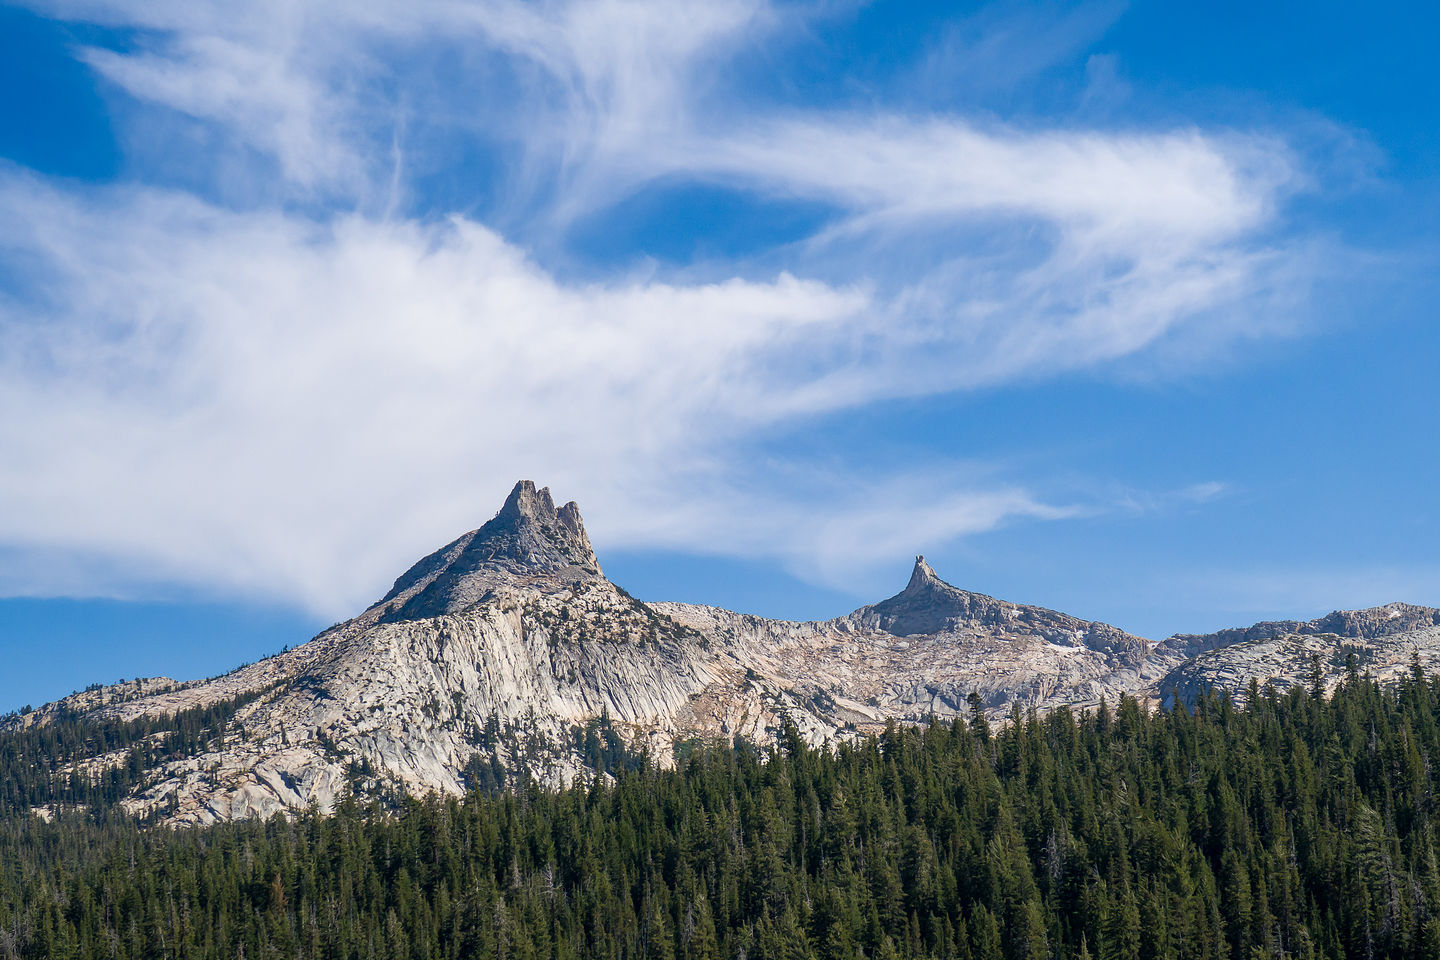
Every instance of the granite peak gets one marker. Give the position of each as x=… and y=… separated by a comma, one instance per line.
x=499, y=650
x=528, y=540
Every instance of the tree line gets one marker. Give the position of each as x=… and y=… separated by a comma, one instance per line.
x=1301, y=826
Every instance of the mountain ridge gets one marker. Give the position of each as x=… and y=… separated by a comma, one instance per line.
x=502, y=648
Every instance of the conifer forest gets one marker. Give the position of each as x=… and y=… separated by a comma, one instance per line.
x=1304, y=825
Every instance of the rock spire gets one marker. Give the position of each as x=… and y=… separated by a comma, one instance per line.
x=528, y=540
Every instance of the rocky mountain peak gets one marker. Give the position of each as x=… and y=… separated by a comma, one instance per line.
x=528, y=540
x=496, y=653
x=526, y=502
x=1387, y=620
x=1370, y=624
x=929, y=605
x=923, y=577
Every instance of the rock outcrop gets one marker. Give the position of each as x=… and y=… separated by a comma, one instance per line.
x=528, y=542
x=1382, y=642
x=929, y=605
x=504, y=650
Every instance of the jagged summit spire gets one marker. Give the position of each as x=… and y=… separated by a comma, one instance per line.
x=527, y=538
x=530, y=533
x=526, y=501
x=922, y=575
x=926, y=605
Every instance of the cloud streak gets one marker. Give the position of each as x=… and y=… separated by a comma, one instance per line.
x=289, y=398
x=248, y=401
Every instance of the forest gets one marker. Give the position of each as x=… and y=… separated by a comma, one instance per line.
x=1303, y=825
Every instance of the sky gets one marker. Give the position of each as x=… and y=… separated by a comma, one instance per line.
x=1126, y=310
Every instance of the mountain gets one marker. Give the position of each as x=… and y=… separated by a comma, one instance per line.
x=528, y=542
x=1382, y=641
x=507, y=652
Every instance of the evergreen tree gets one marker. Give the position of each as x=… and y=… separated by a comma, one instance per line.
x=1303, y=826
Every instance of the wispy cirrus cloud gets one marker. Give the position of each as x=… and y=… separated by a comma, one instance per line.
x=243, y=401
x=292, y=393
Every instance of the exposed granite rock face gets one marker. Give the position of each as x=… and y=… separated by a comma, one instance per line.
x=929, y=605
x=92, y=699
x=923, y=653
x=1381, y=641
x=498, y=648
x=1371, y=624
x=527, y=540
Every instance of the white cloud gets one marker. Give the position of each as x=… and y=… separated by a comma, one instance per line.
x=1195, y=494
x=1102, y=188
x=243, y=88
x=257, y=402
x=1004, y=44
x=247, y=401
x=293, y=404
x=318, y=86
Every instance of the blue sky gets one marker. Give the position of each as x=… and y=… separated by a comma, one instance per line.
x=1126, y=310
